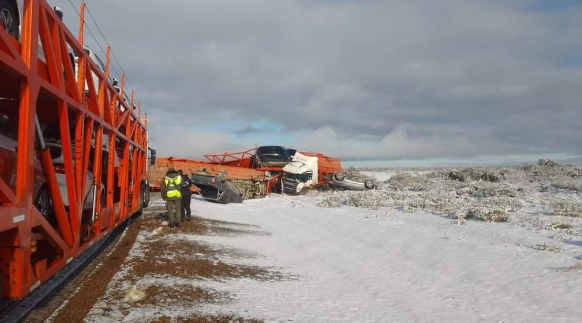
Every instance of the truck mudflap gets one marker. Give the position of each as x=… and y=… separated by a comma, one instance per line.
x=214, y=189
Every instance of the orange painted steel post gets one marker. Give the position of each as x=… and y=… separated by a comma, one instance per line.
x=81, y=23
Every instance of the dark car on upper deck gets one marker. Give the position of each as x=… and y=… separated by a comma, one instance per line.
x=273, y=156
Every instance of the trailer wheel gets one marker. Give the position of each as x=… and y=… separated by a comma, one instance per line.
x=369, y=184
x=339, y=176
x=146, y=195
x=141, y=200
x=8, y=18
x=42, y=202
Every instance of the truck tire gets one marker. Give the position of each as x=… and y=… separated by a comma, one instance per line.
x=339, y=176
x=141, y=200
x=146, y=196
x=369, y=184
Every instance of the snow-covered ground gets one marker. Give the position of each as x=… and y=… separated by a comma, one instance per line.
x=361, y=265
x=380, y=264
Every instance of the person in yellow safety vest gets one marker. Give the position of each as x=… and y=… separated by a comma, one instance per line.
x=170, y=190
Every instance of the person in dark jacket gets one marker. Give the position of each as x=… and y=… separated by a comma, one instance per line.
x=186, y=213
x=171, y=193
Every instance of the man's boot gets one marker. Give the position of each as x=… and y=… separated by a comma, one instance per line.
x=177, y=224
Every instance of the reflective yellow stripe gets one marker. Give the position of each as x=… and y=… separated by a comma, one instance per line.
x=175, y=192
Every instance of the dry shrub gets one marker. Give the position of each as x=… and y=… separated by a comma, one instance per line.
x=331, y=201
x=548, y=247
x=547, y=162
x=415, y=183
x=560, y=226
x=496, y=216
x=474, y=174
x=568, y=207
x=364, y=200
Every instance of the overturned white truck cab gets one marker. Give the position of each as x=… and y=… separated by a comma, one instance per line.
x=301, y=172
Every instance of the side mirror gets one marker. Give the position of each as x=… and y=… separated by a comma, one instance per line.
x=152, y=157
x=59, y=12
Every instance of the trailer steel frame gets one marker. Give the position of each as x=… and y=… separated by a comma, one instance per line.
x=48, y=89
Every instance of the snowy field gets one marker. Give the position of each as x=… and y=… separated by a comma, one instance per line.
x=424, y=247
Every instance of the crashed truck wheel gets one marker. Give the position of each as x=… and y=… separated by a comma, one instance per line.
x=369, y=184
x=339, y=176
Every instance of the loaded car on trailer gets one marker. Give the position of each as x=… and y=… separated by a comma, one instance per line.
x=10, y=16
x=272, y=156
x=8, y=160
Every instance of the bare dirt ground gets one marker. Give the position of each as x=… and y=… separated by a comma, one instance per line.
x=112, y=290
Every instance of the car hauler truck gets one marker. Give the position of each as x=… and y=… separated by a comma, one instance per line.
x=100, y=138
x=312, y=170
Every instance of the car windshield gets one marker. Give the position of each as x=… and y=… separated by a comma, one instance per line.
x=271, y=150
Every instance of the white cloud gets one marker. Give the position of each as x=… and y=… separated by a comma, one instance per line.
x=470, y=75
x=191, y=143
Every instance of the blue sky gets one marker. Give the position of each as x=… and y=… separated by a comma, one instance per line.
x=377, y=82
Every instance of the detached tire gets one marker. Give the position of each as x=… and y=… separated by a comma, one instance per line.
x=369, y=184
x=339, y=176
x=9, y=18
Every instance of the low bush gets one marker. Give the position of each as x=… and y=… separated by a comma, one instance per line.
x=548, y=247
x=568, y=207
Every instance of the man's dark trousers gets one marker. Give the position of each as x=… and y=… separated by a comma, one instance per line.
x=186, y=212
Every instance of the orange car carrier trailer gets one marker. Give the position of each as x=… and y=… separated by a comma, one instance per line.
x=103, y=140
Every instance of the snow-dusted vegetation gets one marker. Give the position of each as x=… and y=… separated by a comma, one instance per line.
x=545, y=195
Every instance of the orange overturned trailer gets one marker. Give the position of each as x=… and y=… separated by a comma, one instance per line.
x=250, y=182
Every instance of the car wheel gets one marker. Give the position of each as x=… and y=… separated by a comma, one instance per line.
x=264, y=165
x=369, y=184
x=42, y=202
x=339, y=176
x=9, y=18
